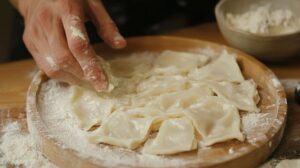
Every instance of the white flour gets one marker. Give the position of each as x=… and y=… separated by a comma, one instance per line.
x=75, y=32
x=18, y=149
x=265, y=20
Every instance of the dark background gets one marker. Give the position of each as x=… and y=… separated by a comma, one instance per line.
x=133, y=17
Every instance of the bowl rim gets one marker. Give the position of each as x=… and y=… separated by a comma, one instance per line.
x=222, y=21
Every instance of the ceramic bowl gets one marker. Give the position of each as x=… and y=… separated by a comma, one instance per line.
x=263, y=46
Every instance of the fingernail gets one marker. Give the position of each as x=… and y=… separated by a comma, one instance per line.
x=101, y=86
x=118, y=39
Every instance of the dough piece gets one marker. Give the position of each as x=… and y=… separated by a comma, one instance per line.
x=173, y=62
x=112, y=80
x=122, y=129
x=151, y=112
x=224, y=68
x=159, y=85
x=292, y=163
x=131, y=66
x=88, y=107
x=244, y=95
x=184, y=98
x=215, y=120
x=174, y=136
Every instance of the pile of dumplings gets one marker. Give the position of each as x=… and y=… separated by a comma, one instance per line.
x=166, y=103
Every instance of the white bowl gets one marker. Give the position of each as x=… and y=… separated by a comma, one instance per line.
x=263, y=46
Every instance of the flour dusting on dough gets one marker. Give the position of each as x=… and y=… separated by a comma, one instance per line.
x=76, y=33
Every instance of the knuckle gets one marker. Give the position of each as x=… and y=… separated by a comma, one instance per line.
x=79, y=45
x=31, y=47
x=64, y=59
x=25, y=38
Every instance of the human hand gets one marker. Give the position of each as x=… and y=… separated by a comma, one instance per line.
x=56, y=37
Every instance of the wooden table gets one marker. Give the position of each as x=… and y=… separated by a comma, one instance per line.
x=15, y=78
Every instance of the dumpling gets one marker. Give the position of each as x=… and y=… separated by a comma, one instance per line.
x=224, y=68
x=173, y=62
x=127, y=66
x=159, y=85
x=183, y=98
x=122, y=129
x=215, y=120
x=243, y=95
x=88, y=108
x=174, y=136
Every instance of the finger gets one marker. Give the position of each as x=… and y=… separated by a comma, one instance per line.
x=56, y=73
x=106, y=27
x=51, y=68
x=61, y=53
x=36, y=38
x=78, y=43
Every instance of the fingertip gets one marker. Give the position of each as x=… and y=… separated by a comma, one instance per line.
x=101, y=86
x=119, y=44
x=119, y=41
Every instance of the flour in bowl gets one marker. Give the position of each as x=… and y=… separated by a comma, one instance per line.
x=265, y=20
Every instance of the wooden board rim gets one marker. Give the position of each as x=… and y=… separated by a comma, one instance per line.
x=39, y=129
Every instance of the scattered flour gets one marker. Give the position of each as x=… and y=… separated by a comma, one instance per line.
x=51, y=62
x=17, y=148
x=254, y=125
x=265, y=20
x=75, y=32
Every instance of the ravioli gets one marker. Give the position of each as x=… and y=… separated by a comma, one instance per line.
x=159, y=85
x=174, y=136
x=173, y=62
x=215, y=120
x=122, y=130
x=243, y=95
x=183, y=98
x=224, y=68
x=88, y=107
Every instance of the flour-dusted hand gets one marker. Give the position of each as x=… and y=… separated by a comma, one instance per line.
x=56, y=36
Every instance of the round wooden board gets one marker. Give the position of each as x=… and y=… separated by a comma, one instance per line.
x=247, y=154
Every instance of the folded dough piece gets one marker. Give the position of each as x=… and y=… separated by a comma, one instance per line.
x=173, y=62
x=88, y=107
x=130, y=66
x=152, y=111
x=158, y=85
x=123, y=130
x=183, y=98
x=112, y=80
x=174, y=136
x=215, y=120
x=224, y=68
x=243, y=95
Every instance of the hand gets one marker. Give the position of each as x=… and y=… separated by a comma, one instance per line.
x=56, y=37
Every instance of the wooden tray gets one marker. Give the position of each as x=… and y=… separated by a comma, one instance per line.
x=249, y=155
